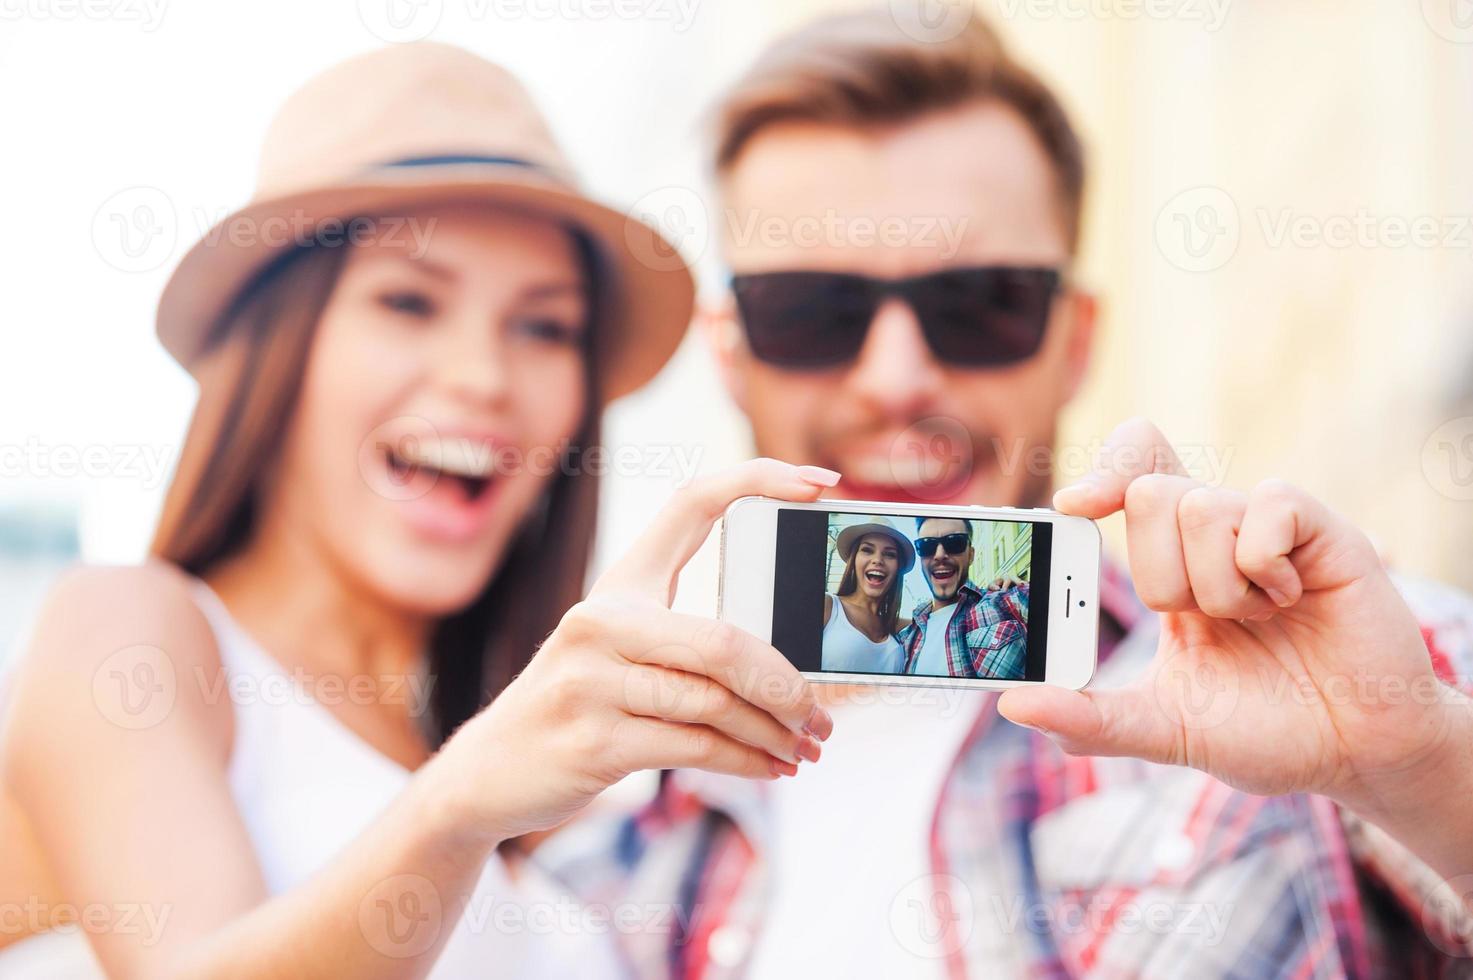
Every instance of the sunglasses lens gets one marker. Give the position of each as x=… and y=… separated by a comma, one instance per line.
x=984, y=316
x=954, y=544
x=804, y=319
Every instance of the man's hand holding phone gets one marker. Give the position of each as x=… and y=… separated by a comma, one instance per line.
x=1288, y=661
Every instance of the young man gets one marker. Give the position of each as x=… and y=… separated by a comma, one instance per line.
x=1250, y=787
x=963, y=631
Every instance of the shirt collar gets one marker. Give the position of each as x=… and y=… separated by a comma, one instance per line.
x=927, y=606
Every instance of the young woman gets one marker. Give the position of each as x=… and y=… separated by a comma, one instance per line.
x=862, y=620
x=267, y=752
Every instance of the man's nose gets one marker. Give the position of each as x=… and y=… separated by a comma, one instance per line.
x=896, y=370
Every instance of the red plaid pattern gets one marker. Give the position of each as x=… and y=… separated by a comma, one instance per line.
x=986, y=637
x=1090, y=851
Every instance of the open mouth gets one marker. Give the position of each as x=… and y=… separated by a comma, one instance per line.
x=896, y=476
x=465, y=467
x=876, y=577
x=943, y=572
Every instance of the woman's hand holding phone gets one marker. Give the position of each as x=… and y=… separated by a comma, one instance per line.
x=625, y=684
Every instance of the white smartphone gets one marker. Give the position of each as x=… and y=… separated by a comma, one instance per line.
x=906, y=594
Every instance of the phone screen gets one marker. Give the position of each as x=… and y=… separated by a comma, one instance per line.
x=919, y=595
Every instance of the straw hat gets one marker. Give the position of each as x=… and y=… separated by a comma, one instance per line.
x=849, y=537
x=422, y=124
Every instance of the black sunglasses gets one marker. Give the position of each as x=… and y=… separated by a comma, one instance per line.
x=954, y=543
x=985, y=316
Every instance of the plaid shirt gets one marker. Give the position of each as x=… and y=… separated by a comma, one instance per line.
x=986, y=637
x=1089, y=848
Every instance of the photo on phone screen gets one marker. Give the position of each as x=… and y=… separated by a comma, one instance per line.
x=918, y=595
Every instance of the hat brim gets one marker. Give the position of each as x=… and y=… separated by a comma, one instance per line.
x=651, y=288
x=850, y=536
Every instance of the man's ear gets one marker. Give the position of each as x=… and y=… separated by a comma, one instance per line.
x=1083, y=312
x=717, y=322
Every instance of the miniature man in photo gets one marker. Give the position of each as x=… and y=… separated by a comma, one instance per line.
x=963, y=631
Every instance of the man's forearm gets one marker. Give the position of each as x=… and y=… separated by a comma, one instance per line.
x=1429, y=807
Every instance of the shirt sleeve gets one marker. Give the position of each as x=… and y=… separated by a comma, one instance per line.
x=1439, y=907
x=997, y=642
x=908, y=645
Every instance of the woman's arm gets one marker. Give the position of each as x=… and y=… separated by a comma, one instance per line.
x=117, y=748
x=120, y=736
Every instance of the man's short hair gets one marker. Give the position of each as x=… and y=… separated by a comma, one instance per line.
x=965, y=523
x=861, y=70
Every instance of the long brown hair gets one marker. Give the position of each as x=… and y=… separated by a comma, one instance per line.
x=889, y=608
x=250, y=379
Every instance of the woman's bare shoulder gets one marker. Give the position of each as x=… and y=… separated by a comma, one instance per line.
x=114, y=649
x=101, y=609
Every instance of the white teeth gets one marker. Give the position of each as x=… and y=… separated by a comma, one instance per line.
x=457, y=456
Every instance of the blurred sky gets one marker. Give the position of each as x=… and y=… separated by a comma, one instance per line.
x=1253, y=161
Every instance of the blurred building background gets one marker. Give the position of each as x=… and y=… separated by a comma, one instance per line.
x=1003, y=549
x=1280, y=225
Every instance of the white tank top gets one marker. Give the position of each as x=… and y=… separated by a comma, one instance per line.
x=845, y=648
x=306, y=786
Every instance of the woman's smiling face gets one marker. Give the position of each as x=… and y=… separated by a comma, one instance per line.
x=876, y=563
x=443, y=382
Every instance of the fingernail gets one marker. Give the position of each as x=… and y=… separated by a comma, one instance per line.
x=808, y=748
x=819, y=724
x=1040, y=730
x=818, y=476
x=1082, y=485
x=781, y=768
x=1278, y=597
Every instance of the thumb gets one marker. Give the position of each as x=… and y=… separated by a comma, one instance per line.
x=1125, y=721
